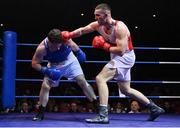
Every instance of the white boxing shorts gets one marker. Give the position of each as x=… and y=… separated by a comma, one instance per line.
x=69, y=70
x=123, y=64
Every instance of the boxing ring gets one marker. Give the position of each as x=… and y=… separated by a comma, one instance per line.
x=9, y=97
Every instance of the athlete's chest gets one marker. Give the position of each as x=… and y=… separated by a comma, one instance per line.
x=108, y=33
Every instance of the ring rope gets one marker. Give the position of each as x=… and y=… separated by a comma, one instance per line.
x=112, y=81
x=86, y=46
x=103, y=62
x=112, y=97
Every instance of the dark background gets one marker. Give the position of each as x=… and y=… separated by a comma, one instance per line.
x=32, y=20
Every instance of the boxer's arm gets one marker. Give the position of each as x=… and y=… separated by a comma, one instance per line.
x=38, y=57
x=121, y=40
x=73, y=45
x=81, y=56
x=87, y=29
x=66, y=35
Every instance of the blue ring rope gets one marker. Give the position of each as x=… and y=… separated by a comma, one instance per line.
x=103, y=62
x=112, y=81
x=112, y=97
x=87, y=46
x=93, y=81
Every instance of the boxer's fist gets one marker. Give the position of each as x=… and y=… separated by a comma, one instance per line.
x=52, y=72
x=66, y=35
x=99, y=42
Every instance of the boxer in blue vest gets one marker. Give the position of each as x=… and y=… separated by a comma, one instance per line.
x=62, y=56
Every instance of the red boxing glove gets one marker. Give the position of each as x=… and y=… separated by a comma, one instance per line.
x=99, y=42
x=67, y=35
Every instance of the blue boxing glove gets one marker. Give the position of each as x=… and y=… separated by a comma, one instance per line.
x=81, y=56
x=52, y=72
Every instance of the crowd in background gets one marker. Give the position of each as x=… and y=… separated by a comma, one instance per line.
x=84, y=106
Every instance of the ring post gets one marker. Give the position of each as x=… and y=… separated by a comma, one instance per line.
x=9, y=69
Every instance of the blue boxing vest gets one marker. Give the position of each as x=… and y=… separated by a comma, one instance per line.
x=59, y=55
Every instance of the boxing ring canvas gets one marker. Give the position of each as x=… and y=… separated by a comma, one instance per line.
x=77, y=120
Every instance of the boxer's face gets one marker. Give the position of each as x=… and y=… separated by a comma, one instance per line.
x=100, y=16
x=55, y=45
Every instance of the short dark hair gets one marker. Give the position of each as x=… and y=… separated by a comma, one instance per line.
x=103, y=6
x=55, y=36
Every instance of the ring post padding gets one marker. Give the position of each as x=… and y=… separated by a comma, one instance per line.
x=9, y=69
